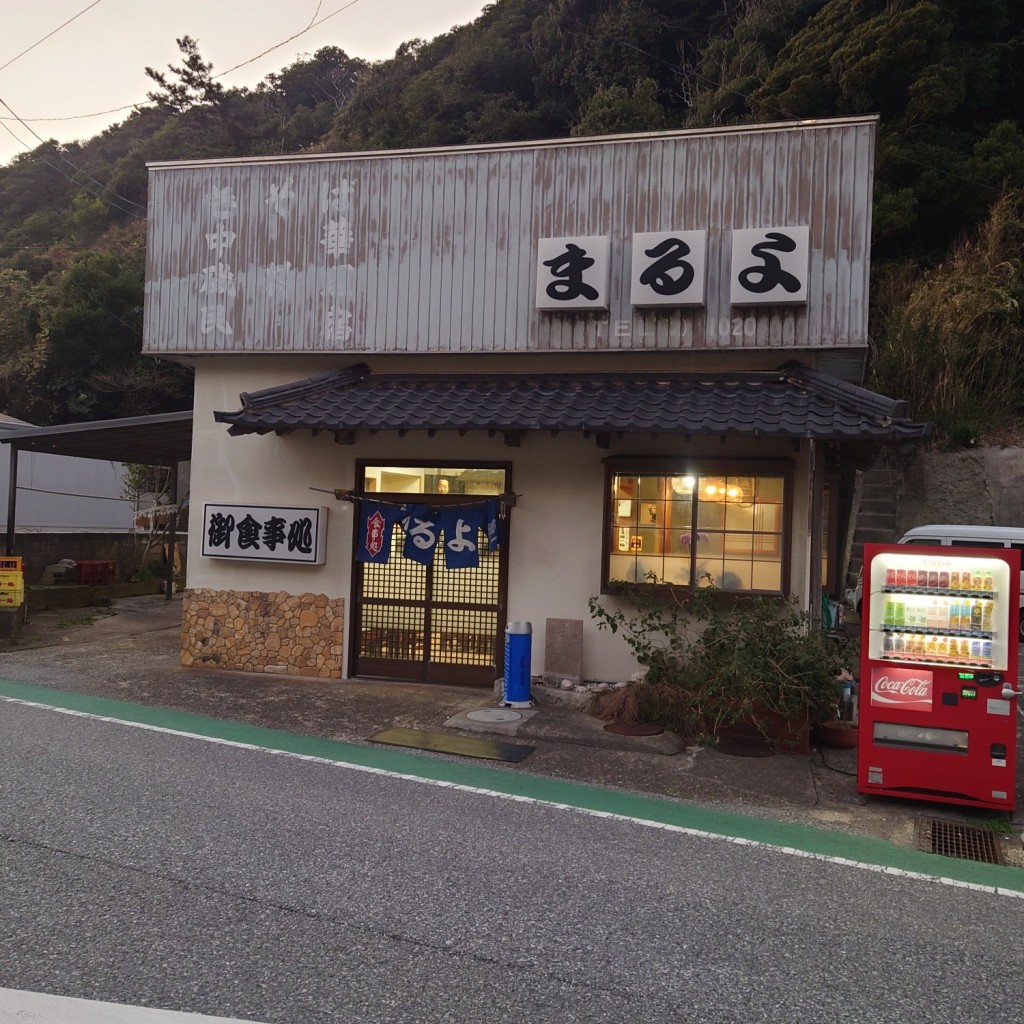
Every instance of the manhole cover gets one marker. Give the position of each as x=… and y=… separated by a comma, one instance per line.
x=633, y=729
x=494, y=715
x=954, y=839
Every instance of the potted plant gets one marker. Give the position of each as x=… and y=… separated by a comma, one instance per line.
x=839, y=731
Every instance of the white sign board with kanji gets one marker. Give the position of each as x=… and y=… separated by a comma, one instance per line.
x=769, y=266
x=572, y=273
x=265, y=533
x=668, y=268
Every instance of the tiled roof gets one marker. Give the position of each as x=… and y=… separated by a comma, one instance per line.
x=793, y=401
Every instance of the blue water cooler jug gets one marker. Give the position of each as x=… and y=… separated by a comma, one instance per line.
x=516, y=684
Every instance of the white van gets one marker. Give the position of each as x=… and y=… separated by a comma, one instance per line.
x=964, y=537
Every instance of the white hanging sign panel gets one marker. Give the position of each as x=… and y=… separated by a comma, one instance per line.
x=573, y=273
x=668, y=268
x=769, y=266
x=265, y=533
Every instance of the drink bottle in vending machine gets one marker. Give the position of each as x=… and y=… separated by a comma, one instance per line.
x=938, y=689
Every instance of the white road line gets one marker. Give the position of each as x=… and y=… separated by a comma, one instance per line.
x=18, y=1007
x=791, y=851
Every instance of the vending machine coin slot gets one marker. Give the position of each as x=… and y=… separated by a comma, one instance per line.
x=987, y=679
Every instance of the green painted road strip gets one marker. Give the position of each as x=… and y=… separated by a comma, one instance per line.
x=799, y=840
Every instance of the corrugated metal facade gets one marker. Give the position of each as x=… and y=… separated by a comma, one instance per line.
x=436, y=251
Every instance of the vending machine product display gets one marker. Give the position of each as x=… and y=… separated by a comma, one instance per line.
x=938, y=684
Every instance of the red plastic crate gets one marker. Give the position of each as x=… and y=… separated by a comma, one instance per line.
x=92, y=573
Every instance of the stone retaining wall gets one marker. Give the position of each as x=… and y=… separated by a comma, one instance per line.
x=250, y=631
x=979, y=487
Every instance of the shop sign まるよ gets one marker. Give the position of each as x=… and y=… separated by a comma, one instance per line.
x=572, y=273
x=668, y=268
x=768, y=266
x=265, y=533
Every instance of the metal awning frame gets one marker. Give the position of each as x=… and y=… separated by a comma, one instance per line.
x=164, y=439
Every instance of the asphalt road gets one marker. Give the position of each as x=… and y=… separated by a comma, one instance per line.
x=146, y=868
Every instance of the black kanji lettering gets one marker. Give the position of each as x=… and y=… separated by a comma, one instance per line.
x=668, y=256
x=569, y=267
x=273, y=532
x=249, y=533
x=218, y=533
x=771, y=275
x=300, y=536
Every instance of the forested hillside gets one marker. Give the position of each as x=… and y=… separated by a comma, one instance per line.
x=946, y=76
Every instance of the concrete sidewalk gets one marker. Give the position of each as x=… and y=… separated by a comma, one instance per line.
x=130, y=652
x=19, y=1007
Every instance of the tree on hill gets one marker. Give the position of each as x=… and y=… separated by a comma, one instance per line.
x=193, y=84
x=945, y=76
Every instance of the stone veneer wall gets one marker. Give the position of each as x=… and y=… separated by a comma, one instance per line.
x=251, y=631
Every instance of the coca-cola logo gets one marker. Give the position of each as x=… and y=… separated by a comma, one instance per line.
x=904, y=687
x=910, y=689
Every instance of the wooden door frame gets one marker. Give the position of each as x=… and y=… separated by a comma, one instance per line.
x=456, y=675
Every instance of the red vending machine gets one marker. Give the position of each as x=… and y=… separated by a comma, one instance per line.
x=938, y=684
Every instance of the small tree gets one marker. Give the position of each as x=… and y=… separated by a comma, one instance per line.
x=195, y=85
x=149, y=490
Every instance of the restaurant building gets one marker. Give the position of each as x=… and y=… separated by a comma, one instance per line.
x=440, y=390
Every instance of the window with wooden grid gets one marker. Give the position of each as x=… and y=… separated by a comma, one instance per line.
x=694, y=525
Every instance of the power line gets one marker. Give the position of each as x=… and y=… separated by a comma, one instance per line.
x=48, y=34
x=124, y=323
x=70, y=117
x=73, y=494
x=284, y=42
x=78, y=170
x=134, y=106
x=314, y=22
x=7, y=129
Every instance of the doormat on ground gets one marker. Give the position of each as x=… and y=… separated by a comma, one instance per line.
x=448, y=743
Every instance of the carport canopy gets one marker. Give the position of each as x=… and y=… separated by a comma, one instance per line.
x=164, y=439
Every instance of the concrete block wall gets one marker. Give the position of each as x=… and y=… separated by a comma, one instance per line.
x=38, y=550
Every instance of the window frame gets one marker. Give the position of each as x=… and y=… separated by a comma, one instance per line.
x=697, y=466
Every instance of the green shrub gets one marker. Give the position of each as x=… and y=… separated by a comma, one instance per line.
x=710, y=665
x=951, y=338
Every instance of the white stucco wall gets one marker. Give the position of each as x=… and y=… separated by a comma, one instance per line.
x=556, y=527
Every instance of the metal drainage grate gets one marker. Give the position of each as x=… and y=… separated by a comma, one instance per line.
x=954, y=839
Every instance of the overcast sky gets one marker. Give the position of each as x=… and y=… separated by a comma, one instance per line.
x=96, y=62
